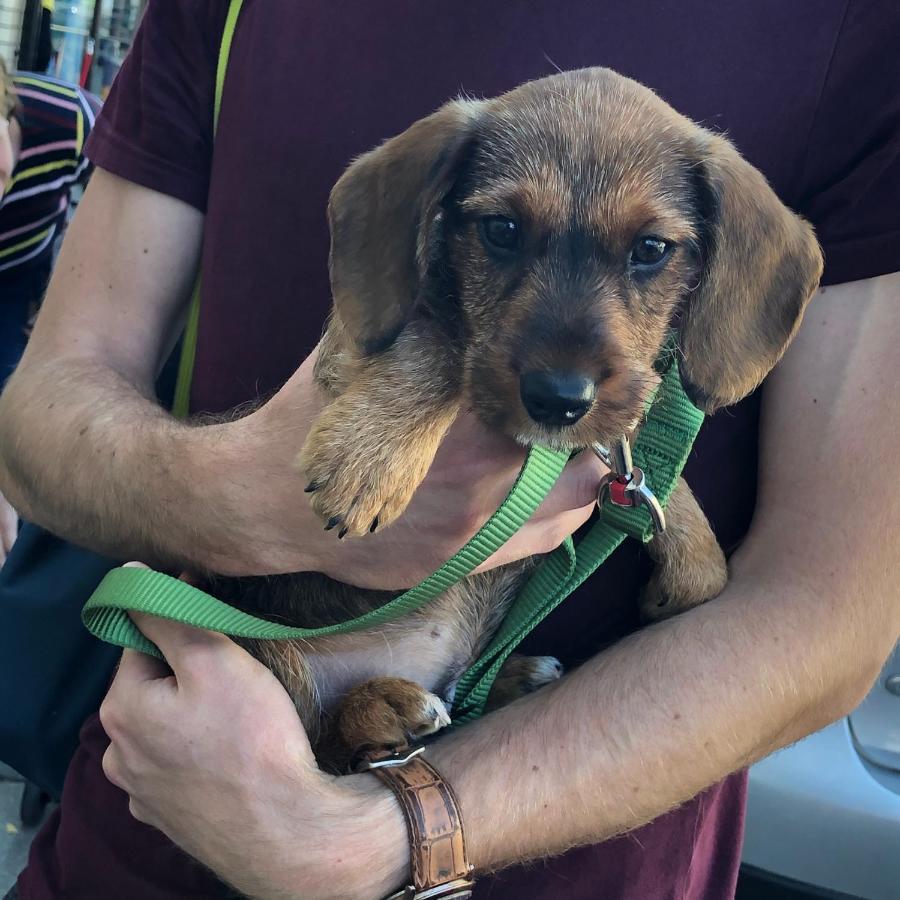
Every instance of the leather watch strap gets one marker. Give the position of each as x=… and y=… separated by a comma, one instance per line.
x=439, y=867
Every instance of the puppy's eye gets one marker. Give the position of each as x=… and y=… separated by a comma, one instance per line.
x=499, y=233
x=649, y=252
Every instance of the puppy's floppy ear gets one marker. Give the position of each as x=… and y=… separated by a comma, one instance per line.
x=380, y=214
x=761, y=264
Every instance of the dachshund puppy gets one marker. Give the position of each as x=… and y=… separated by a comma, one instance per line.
x=525, y=257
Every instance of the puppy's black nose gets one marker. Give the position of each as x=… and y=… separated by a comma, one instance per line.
x=556, y=398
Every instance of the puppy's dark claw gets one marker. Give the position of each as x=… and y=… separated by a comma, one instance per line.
x=312, y=486
x=374, y=525
x=333, y=522
x=342, y=532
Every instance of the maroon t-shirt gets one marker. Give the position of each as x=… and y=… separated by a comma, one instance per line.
x=808, y=92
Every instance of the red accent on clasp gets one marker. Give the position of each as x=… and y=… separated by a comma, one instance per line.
x=618, y=493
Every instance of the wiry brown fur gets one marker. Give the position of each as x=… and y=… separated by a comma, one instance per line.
x=428, y=320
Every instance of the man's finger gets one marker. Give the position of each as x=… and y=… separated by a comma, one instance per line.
x=576, y=488
x=8, y=533
x=176, y=640
x=112, y=766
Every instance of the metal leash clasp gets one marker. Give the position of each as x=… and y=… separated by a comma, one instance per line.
x=626, y=485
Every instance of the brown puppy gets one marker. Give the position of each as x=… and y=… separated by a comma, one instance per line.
x=525, y=257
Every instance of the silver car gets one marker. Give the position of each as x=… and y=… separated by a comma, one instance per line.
x=824, y=815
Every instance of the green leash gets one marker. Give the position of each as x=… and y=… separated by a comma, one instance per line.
x=143, y=590
x=660, y=452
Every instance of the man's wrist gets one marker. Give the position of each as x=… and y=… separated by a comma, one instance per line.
x=224, y=466
x=211, y=471
x=357, y=848
x=378, y=853
x=346, y=841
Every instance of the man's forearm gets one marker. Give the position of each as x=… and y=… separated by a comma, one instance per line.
x=88, y=455
x=84, y=448
x=656, y=719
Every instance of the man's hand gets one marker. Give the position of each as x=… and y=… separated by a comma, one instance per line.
x=277, y=531
x=212, y=753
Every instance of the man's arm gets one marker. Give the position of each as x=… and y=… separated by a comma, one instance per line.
x=84, y=447
x=811, y=612
x=794, y=642
x=86, y=451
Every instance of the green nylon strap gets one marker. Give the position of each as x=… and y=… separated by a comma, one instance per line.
x=661, y=450
x=182, y=400
x=143, y=590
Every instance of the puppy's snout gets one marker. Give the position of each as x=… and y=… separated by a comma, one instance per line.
x=556, y=398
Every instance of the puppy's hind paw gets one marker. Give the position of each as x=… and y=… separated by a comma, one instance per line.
x=389, y=712
x=523, y=675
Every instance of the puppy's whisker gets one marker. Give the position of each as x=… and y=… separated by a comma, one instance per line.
x=552, y=63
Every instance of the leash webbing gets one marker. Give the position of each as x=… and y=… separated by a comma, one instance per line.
x=661, y=450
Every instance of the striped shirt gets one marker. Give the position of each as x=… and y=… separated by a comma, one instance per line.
x=55, y=118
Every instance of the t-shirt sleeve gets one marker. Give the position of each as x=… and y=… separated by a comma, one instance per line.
x=851, y=179
x=155, y=128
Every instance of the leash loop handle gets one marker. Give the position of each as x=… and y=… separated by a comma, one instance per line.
x=127, y=589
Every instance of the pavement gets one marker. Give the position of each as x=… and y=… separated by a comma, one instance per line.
x=14, y=837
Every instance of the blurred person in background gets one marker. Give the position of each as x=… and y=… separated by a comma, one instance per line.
x=43, y=126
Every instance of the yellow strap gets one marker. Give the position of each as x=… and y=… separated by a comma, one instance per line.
x=182, y=402
x=46, y=85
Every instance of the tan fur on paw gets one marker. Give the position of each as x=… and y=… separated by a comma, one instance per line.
x=691, y=567
x=389, y=712
x=670, y=592
x=362, y=472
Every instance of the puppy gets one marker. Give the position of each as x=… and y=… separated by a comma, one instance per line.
x=524, y=257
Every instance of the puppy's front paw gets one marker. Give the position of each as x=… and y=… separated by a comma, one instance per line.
x=691, y=567
x=358, y=481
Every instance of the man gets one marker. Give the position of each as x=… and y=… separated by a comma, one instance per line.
x=214, y=757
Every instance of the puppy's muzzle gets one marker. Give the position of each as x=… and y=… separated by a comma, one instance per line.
x=556, y=398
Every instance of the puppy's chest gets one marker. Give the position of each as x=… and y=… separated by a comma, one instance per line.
x=431, y=647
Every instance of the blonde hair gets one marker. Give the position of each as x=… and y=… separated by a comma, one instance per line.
x=8, y=99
